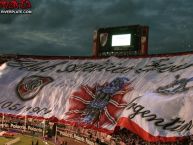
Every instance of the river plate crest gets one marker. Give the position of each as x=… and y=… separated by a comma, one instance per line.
x=30, y=86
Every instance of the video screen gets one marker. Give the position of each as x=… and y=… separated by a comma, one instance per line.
x=121, y=40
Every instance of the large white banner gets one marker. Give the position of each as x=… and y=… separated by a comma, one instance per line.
x=149, y=96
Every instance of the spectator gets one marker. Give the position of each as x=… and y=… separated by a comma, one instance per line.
x=62, y=143
x=37, y=143
x=97, y=141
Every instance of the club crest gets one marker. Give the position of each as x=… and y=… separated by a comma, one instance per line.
x=29, y=87
x=103, y=39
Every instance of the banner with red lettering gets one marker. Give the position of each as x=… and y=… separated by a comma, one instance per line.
x=150, y=96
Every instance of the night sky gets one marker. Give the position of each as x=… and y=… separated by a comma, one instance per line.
x=65, y=27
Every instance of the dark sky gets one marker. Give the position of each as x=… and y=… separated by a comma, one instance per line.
x=65, y=27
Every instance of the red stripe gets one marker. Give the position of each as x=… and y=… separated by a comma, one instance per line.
x=132, y=126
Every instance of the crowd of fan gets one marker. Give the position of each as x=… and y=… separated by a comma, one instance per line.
x=125, y=137
x=120, y=137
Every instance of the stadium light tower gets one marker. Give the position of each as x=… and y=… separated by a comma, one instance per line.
x=121, y=41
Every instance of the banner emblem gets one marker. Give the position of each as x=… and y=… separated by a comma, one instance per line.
x=99, y=105
x=29, y=87
x=177, y=86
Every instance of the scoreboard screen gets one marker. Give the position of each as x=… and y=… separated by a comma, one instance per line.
x=121, y=41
